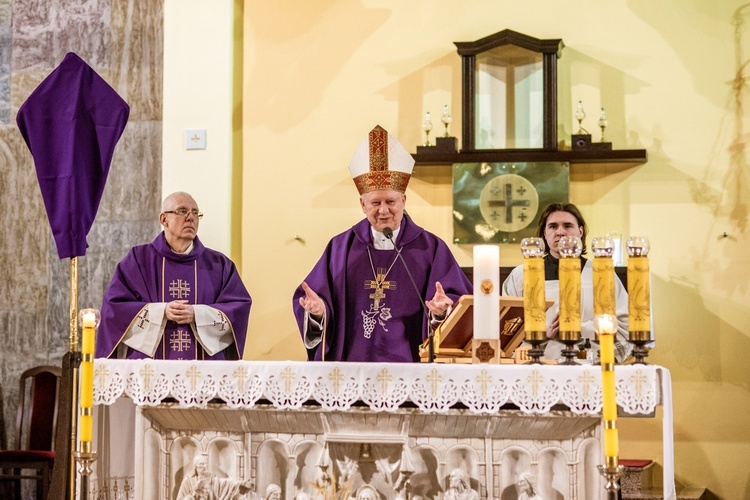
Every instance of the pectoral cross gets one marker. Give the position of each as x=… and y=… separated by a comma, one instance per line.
x=379, y=284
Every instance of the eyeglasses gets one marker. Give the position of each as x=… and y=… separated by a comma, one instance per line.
x=183, y=212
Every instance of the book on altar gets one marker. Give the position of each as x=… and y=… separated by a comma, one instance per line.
x=453, y=337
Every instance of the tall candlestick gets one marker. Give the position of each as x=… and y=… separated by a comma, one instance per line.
x=486, y=292
x=639, y=286
x=570, y=296
x=639, y=296
x=535, y=317
x=606, y=326
x=603, y=268
x=570, y=284
x=89, y=321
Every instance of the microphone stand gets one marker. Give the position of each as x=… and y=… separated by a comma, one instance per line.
x=388, y=233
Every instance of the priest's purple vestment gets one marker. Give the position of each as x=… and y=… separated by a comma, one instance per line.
x=373, y=311
x=153, y=273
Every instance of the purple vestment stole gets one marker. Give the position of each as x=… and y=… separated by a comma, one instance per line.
x=179, y=281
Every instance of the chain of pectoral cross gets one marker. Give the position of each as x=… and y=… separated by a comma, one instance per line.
x=379, y=284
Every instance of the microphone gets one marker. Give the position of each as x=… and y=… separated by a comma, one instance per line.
x=388, y=233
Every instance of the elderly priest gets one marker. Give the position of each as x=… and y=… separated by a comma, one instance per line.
x=175, y=298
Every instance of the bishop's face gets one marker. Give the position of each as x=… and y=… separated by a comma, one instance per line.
x=384, y=208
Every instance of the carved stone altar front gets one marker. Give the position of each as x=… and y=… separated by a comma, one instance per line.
x=340, y=430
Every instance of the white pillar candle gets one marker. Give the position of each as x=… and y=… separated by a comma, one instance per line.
x=486, y=292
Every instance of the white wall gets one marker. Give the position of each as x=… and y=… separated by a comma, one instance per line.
x=198, y=55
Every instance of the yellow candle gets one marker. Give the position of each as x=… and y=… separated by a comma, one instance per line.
x=86, y=387
x=639, y=294
x=611, y=445
x=570, y=294
x=89, y=319
x=85, y=428
x=535, y=317
x=604, y=285
x=609, y=395
x=87, y=340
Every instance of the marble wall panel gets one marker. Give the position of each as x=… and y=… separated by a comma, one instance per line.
x=122, y=41
x=45, y=30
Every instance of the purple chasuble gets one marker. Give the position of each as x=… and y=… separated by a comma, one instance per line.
x=373, y=311
x=154, y=273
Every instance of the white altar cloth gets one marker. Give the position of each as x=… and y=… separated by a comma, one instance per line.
x=433, y=388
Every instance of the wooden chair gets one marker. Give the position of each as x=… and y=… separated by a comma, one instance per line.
x=36, y=423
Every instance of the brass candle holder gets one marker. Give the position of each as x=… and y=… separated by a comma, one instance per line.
x=534, y=311
x=85, y=456
x=639, y=297
x=612, y=473
x=570, y=297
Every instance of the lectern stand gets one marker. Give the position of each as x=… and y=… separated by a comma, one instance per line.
x=453, y=339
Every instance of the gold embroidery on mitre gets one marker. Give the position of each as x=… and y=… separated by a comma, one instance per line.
x=375, y=181
x=378, y=142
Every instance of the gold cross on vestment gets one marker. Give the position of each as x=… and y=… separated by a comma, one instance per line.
x=180, y=340
x=179, y=289
x=379, y=284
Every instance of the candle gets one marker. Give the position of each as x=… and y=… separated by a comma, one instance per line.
x=570, y=283
x=85, y=428
x=534, y=311
x=486, y=292
x=603, y=269
x=639, y=287
x=86, y=387
x=606, y=326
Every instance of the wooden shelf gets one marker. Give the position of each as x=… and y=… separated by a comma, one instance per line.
x=635, y=156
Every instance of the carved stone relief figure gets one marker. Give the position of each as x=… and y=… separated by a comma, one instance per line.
x=367, y=492
x=527, y=487
x=459, y=487
x=202, y=484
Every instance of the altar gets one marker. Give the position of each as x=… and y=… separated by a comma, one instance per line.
x=334, y=430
